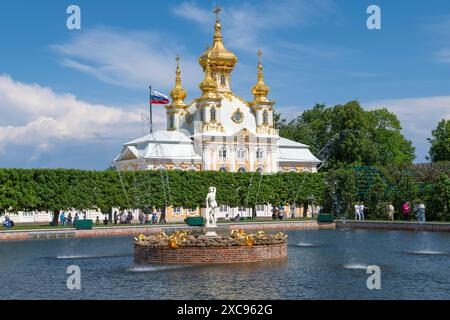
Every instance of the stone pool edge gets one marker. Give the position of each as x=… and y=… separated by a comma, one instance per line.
x=15, y=235
x=393, y=225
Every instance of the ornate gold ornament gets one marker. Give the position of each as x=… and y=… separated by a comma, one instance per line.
x=178, y=93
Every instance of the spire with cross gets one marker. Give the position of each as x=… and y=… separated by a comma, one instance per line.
x=217, y=11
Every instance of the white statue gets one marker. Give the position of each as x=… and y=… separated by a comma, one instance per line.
x=211, y=208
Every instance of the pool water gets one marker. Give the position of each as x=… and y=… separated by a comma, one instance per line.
x=322, y=264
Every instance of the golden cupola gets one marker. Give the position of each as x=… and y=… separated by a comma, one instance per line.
x=260, y=90
x=178, y=93
x=221, y=59
x=208, y=85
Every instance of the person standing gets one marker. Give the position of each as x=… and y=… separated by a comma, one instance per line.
x=405, y=211
x=123, y=218
x=69, y=219
x=362, y=208
x=76, y=218
x=357, y=215
x=390, y=210
x=62, y=219
x=141, y=217
x=116, y=217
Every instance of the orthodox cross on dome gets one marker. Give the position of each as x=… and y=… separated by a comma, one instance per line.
x=259, y=55
x=217, y=11
x=177, y=58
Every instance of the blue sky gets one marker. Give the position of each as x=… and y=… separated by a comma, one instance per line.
x=70, y=98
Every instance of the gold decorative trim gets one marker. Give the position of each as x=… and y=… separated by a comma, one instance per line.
x=233, y=117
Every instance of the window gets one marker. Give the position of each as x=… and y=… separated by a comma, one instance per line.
x=222, y=80
x=130, y=168
x=259, y=170
x=202, y=115
x=223, y=153
x=265, y=117
x=213, y=114
x=241, y=169
x=223, y=169
x=240, y=154
x=223, y=208
x=177, y=210
x=171, y=121
x=259, y=154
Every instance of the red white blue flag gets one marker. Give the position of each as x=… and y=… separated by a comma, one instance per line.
x=159, y=98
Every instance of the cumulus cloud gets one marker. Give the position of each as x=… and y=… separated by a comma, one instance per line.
x=418, y=116
x=128, y=58
x=37, y=117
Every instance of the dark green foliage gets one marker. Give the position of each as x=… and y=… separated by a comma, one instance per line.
x=54, y=190
x=440, y=143
x=349, y=135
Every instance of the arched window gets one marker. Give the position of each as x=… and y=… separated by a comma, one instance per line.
x=265, y=117
x=202, y=115
x=223, y=169
x=259, y=154
x=213, y=114
x=223, y=153
x=241, y=169
x=223, y=80
x=259, y=170
x=171, y=121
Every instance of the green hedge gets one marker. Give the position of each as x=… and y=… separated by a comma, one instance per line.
x=61, y=189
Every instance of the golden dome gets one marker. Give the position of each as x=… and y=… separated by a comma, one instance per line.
x=220, y=57
x=178, y=93
x=208, y=85
x=260, y=90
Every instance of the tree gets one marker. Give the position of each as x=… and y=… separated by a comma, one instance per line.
x=347, y=134
x=440, y=143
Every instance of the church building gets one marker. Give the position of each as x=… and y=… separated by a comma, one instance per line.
x=218, y=130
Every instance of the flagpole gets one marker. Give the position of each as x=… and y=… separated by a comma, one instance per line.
x=151, y=111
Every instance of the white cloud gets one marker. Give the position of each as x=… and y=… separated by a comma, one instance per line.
x=246, y=25
x=129, y=59
x=42, y=117
x=418, y=116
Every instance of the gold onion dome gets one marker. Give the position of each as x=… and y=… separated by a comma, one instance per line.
x=208, y=85
x=260, y=90
x=178, y=93
x=220, y=57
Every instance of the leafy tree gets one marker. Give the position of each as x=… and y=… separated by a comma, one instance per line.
x=440, y=143
x=347, y=134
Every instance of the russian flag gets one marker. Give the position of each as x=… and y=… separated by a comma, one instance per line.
x=158, y=98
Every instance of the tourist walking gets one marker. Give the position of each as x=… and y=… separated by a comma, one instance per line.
x=69, y=219
x=97, y=221
x=123, y=218
x=154, y=217
x=405, y=211
x=390, y=210
x=62, y=218
x=141, y=217
x=116, y=217
x=129, y=217
x=420, y=212
x=76, y=218
x=362, y=208
x=357, y=215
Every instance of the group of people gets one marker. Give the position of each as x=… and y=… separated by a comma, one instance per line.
x=70, y=220
x=127, y=218
x=359, y=211
x=278, y=212
x=418, y=209
x=8, y=223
